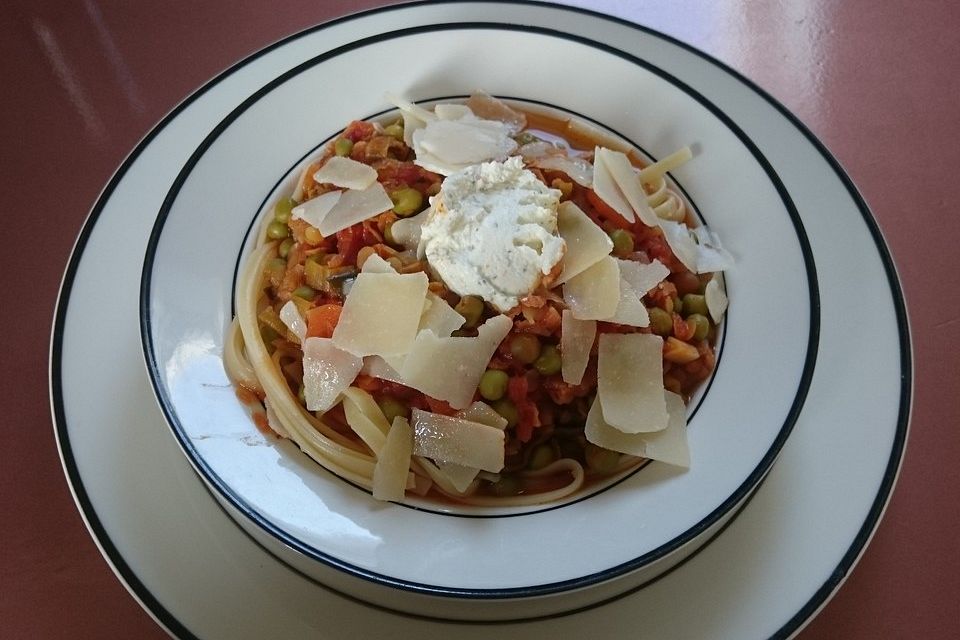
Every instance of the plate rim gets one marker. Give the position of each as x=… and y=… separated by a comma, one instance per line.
x=169, y=622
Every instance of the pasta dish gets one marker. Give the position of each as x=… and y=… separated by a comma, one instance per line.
x=478, y=304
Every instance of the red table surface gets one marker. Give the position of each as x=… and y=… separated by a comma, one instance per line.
x=83, y=81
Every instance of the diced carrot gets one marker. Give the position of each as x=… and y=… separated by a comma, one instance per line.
x=605, y=211
x=322, y=320
x=368, y=383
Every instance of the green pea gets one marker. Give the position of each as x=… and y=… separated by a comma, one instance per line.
x=268, y=334
x=702, y=326
x=525, y=347
x=506, y=485
x=542, y=456
x=392, y=408
x=304, y=293
x=277, y=230
x=549, y=361
x=406, y=201
x=493, y=384
x=622, y=242
x=285, y=246
x=695, y=303
x=394, y=130
x=601, y=460
x=661, y=322
x=388, y=234
x=471, y=308
x=281, y=210
x=525, y=137
x=507, y=410
x=343, y=147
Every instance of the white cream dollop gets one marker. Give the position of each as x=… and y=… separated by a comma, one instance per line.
x=492, y=232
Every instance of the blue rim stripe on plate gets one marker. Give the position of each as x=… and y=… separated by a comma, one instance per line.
x=456, y=592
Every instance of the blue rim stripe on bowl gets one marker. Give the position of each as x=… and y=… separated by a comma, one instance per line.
x=464, y=593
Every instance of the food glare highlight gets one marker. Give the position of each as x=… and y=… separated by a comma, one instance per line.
x=479, y=305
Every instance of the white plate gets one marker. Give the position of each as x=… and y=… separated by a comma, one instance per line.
x=198, y=574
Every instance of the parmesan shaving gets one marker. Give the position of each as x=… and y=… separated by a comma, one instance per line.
x=716, y=298
x=595, y=293
x=489, y=108
x=576, y=342
x=450, y=368
x=643, y=277
x=458, y=441
x=630, y=311
x=462, y=477
x=681, y=242
x=393, y=462
x=625, y=177
x=346, y=173
x=711, y=256
x=355, y=206
x=440, y=318
x=448, y=146
x=414, y=116
x=377, y=367
x=587, y=243
x=314, y=211
x=376, y=264
x=578, y=169
x=447, y=111
x=327, y=372
x=290, y=315
x=669, y=445
x=630, y=382
x=364, y=329
x=605, y=186
x=484, y=414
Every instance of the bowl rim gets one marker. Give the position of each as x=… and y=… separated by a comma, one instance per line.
x=742, y=492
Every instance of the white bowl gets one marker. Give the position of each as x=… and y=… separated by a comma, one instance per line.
x=494, y=564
